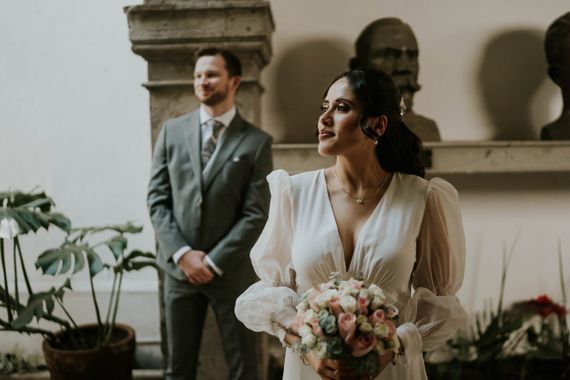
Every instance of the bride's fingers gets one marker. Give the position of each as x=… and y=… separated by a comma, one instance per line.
x=332, y=364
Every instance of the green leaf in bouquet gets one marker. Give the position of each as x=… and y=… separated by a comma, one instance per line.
x=327, y=322
x=368, y=364
x=335, y=347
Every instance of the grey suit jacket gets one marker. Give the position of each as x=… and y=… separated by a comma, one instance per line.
x=222, y=214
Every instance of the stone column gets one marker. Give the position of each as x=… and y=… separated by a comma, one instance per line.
x=167, y=33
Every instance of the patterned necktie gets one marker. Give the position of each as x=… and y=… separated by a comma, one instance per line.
x=209, y=145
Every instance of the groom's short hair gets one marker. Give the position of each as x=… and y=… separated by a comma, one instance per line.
x=233, y=64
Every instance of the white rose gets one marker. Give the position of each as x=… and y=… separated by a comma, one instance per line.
x=363, y=294
x=365, y=327
x=305, y=330
x=396, y=341
x=310, y=316
x=320, y=350
x=381, y=330
x=361, y=319
x=302, y=307
x=348, y=304
x=309, y=340
x=376, y=302
x=347, y=289
x=379, y=348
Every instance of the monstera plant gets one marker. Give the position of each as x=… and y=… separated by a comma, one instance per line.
x=101, y=348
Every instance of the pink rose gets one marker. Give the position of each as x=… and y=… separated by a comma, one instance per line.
x=312, y=300
x=391, y=312
x=363, y=305
x=298, y=321
x=377, y=317
x=347, y=326
x=363, y=344
x=334, y=306
x=391, y=326
x=317, y=329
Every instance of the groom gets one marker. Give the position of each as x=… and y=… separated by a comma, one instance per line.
x=208, y=201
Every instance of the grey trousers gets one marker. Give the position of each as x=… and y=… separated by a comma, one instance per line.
x=186, y=306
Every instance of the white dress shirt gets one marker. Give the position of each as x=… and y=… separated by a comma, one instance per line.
x=206, y=133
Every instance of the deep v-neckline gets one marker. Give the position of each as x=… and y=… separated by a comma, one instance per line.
x=348, y=265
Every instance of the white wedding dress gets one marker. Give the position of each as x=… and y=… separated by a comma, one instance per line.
x=412, y=246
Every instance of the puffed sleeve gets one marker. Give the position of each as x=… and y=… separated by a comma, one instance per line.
x=434, y=309
x=269, y=304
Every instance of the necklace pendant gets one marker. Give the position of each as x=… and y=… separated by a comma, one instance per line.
x=360, y=200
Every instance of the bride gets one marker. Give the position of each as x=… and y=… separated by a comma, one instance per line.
x=371, y=214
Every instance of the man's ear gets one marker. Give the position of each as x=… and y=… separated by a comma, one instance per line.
x=235, y=82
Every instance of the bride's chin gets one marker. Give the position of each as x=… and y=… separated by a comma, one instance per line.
x=324, y=150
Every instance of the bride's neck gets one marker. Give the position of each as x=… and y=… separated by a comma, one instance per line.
x=360, y=174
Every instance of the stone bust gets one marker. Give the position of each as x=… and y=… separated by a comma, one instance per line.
x=388, y=44
x=557, y=47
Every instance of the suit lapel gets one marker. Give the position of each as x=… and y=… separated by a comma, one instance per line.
x=194, y=143
x=231, y=139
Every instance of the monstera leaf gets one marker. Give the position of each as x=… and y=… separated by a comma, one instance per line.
x=137, y=260
x=39, y=305
x=69, y=256
x=31, y=212
x=128, y=228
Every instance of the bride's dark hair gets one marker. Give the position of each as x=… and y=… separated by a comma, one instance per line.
x=398, y=149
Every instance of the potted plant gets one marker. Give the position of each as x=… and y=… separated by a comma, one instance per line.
x=103, y=350
x=529, y=341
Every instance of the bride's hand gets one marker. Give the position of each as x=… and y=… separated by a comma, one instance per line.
x=327, y=369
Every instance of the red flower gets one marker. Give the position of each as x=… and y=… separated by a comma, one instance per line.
x=545, y=306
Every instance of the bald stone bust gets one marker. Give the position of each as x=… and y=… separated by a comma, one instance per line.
x=388, y=44
x=557, y=47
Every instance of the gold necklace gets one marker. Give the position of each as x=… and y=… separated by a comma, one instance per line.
x=359, y=200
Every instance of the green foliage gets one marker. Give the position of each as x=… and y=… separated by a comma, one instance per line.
x=28, y=212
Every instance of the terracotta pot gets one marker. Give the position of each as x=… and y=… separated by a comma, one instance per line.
x=113, y=362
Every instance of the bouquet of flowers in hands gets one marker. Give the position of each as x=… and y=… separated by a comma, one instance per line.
x=346, y=320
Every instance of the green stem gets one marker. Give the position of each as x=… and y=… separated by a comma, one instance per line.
x=116, y=309
x=7, y=295
x=5, y=326
x=16, y=288
x=66, y=312
x=111, y=298
x=99, y=325
x=24, y=271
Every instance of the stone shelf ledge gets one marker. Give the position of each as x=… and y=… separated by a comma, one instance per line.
x=138, y=374
x=457, y=157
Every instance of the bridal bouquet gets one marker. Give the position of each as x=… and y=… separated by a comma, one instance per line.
x=347, y=320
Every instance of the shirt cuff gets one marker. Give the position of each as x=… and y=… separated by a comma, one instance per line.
x=212, y=265
x=178, y=254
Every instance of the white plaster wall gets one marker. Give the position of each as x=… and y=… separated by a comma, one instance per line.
x=75, y=121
